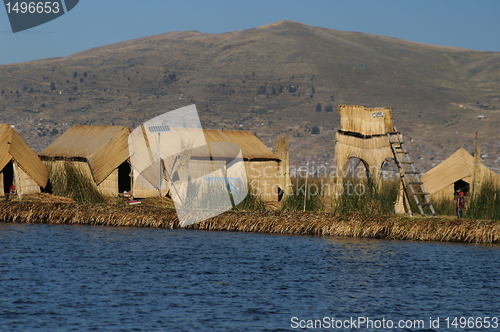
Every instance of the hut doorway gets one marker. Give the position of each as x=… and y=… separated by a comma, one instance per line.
x=8, y=176
x=461, y=185
x=124, y=177
x=357, y=169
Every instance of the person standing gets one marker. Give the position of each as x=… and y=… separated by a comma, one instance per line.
x=13, y=189
x=460, y=205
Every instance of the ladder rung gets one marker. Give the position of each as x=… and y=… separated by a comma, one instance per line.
x=418, y=194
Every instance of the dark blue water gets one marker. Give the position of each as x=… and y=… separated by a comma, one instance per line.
x=90, y=278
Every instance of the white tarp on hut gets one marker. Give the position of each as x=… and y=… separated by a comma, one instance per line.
x=204, y=178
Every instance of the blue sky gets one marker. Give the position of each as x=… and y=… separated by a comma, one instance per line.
x=469, y=24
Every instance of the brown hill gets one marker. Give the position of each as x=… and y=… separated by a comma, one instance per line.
x=269, y=80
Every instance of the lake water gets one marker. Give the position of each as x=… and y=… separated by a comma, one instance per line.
x=92, y=278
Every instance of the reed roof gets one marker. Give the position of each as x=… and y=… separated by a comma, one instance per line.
x=103, y=147
x=251, y=147
x=199, y=140
x=12, y=146
x=459, y=166
x=365, y=121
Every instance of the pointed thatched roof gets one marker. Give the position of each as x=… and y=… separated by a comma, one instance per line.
x=251, y=147
x=459, y=166
x=104, y=148
x=12, y=146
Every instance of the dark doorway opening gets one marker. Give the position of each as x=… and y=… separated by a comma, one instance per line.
x=461, y=185
x=8, y=177
x=356, y=168
x=124, y=177
x=280, y=194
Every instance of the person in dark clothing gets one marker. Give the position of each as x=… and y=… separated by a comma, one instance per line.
x=460, y=205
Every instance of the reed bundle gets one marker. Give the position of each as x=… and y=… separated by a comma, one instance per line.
x=366, y=121
x=73, y=180
x=485, y=203
x=88, y=214
x=375, y=198
x=308, y=192
x=274, y=222
x=252, y=202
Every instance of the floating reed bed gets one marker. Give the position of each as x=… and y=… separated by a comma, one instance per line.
x=273, y=222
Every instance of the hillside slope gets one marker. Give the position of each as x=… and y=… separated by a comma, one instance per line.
x=268, y=80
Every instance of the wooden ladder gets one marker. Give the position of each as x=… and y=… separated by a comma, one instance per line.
x=410, y=178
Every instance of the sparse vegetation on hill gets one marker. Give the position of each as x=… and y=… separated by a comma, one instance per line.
x=268, y=80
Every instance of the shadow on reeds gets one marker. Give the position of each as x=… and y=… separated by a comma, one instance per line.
x=363, y=196
x=69, y=181
x=485, y=204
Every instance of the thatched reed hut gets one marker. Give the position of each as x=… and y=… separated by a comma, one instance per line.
x=363, y=135
x=261, y=165
x=19, y=164
x=456, y=173
x=98, y=152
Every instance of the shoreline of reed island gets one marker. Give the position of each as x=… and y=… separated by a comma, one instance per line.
x=393, y=227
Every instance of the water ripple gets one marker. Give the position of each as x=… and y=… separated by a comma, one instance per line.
x=84, y=278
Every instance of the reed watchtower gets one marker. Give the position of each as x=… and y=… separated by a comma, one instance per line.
x=363, y=135
x=369, y=134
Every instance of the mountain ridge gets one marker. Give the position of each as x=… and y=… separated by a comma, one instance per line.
x=268, y=80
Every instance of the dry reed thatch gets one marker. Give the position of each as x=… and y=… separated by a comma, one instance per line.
x=46, y=198
x=104, y=148
x=274, y=222
x=282, y=152
x=440, y=180
x=365, y=121
x=72, y=179
x=28, y=170
x=373, y=156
